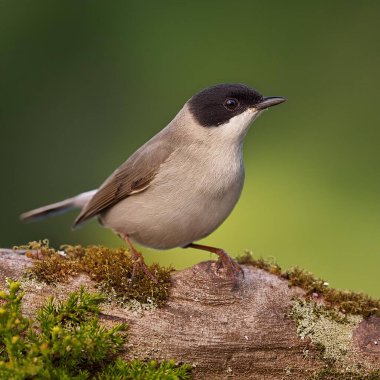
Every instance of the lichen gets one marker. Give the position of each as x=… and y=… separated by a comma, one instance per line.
x=332, y=374
x=331, y=335
x=325, y=330
x=345, y=301
x=110, y=269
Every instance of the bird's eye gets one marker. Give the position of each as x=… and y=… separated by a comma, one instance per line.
x=231, y=104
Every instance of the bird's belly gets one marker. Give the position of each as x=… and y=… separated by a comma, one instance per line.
x=164, y=218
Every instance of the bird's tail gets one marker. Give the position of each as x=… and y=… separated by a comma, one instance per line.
x=79, y=201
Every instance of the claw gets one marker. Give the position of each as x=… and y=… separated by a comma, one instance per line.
x=233, y=269
x=139, y=263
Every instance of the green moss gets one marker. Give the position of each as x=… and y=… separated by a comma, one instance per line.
x=67, y=342
x=110, y=269
x=342, y=300
x=268, y=265
x=151, y=370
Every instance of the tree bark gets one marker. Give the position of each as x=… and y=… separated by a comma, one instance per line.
x=238, y=329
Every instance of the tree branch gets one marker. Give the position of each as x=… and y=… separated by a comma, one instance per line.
x=255, y=328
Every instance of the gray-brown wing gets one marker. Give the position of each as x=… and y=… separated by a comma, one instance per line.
x=133, y=176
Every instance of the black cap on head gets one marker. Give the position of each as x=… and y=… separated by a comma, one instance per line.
x=217, y=104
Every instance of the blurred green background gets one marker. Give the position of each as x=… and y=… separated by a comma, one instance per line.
x=85, y=83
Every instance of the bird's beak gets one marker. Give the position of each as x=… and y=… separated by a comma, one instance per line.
x=269, y=101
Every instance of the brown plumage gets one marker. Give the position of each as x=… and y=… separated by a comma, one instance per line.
x=132, y=177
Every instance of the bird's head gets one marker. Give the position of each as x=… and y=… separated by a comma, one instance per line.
x=229, y=108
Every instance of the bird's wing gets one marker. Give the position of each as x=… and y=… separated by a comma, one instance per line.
x=133, y=176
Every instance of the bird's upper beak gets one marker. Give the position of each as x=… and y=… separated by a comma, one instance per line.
x=269, y=101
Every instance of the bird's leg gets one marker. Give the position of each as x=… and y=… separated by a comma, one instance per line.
x=224, y=260
x=138, y=262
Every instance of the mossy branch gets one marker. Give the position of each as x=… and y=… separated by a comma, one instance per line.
x=271, y=324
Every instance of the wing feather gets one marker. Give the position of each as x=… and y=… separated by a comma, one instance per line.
x=133, y=176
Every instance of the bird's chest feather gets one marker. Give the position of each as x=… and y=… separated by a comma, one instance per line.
x=204, y=175
x=221, y=173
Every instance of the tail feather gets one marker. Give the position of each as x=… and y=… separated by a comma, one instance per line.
x=57, y=208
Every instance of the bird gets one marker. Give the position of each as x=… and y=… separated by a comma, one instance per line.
x=183, y=183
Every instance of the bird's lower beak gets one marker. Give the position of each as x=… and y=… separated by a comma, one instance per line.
x=269, y=101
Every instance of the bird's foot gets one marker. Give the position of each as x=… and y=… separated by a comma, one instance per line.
x=138, y=262
x=233, y=269
x=139, y=265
